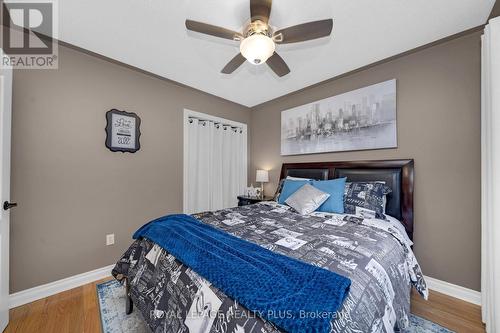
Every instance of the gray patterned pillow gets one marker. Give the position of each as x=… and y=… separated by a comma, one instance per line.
x=366, y=198
x=280, y=186
x=307, y=199
x=278, y=190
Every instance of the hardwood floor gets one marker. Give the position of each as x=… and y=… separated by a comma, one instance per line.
x=76, y=311
x=72, y=311
x=449, y=312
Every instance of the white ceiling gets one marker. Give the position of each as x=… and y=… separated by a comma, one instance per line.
x=150, y=34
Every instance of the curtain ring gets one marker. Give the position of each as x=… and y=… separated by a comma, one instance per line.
x=190, y=120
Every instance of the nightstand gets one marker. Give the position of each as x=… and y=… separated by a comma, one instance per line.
x=243, y=200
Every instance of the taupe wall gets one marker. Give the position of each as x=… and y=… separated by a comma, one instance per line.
x=71, y=189
x=438, y=110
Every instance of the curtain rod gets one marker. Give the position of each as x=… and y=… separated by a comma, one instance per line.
x=190, y=118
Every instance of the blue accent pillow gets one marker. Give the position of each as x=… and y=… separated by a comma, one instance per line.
x=334, y=187
x=289, y=188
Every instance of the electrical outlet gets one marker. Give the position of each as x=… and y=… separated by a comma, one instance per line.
x=110, y=239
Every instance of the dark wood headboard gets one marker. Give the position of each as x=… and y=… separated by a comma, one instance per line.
x=398, y=174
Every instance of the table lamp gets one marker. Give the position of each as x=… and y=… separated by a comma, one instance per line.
x=262, y=177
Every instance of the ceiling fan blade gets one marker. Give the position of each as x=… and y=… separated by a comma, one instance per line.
x=233, y=64
x=260, y=10
x=278, y=65
x=212, y=30
x=303, y=32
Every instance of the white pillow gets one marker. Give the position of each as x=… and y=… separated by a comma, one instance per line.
x=296, y=178
x=307, y=199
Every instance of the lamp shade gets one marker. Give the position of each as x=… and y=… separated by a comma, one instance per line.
x=262, y=176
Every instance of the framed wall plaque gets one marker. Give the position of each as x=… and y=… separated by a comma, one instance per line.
x=123, y=131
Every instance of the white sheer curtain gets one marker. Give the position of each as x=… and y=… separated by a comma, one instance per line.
x=490, y=187
x=216, y=163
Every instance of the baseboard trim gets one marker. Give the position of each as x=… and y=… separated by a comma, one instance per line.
x=454, y=290
x=52, y=288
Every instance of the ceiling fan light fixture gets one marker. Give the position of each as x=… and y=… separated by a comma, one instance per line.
x=257, y=48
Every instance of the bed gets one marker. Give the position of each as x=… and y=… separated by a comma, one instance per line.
x=374, y=254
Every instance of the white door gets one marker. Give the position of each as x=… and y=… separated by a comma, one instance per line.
x=5, y=121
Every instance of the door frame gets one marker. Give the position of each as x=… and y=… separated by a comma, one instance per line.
x=5, y=147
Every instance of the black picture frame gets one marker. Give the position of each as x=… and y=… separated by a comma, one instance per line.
x=123, y=131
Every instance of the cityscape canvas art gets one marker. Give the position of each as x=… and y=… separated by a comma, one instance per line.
x=357, y=120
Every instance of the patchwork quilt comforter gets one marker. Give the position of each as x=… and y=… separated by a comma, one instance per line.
x=374, y=254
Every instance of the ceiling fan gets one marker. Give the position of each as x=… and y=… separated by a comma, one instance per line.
x=258, y=40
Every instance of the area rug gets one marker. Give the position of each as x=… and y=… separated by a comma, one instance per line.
x=111, y=297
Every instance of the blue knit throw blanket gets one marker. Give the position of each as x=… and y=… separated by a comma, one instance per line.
x=294, y=295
